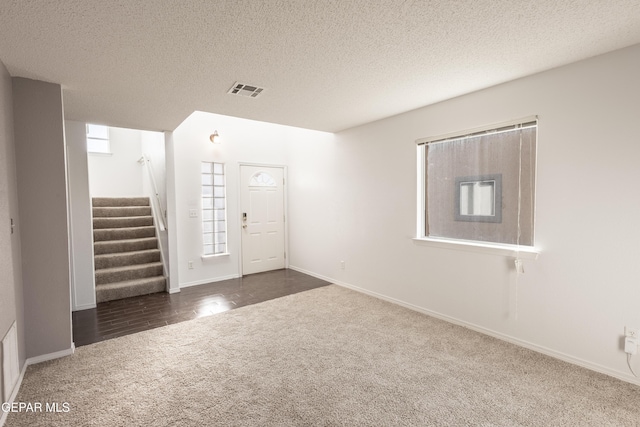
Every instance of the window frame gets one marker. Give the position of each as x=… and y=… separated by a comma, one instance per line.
x=108, y=151
x=423, y=239
x=497, y=198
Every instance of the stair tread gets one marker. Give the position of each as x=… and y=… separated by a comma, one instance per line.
x=120, y=211
x=119, y=201
x=120, y=228
x=126, y=233
x=124, y=254
x=130, y=283
x=126, y=208
x=120, y=259
x=130, y=288
x=124, y=245
x=103, y=223
x=129, y=267
x=115, y=242
x=109, y=218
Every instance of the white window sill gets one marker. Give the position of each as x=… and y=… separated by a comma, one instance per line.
x=99, y=154
x=205, y=257
x=523, y=252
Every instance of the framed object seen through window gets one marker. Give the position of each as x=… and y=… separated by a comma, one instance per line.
x=479, y=185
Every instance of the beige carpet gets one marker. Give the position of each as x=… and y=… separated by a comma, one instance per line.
x=324, y=357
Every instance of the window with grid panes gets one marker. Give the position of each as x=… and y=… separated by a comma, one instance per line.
x=214, y=224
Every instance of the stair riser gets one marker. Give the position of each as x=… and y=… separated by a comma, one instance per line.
x=121, y=212
x=112, y=247
x=123, y=233
x=115, y=222
x=154, y=285
x=119, y=201
x=103, y=276
x=124, y=259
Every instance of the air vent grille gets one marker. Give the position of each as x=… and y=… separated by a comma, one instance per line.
x=248, y=91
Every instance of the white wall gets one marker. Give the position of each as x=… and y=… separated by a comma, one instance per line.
x=117, y=174
x=152, y=146
x=355, y=200
x=83, y=280
x=244, y=141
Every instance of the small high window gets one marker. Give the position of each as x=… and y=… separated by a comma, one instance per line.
x=98, y=139
x=480, y=185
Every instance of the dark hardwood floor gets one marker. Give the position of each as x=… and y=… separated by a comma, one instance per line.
x=114, y=319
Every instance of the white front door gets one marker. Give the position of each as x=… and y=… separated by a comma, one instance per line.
x=262, y=218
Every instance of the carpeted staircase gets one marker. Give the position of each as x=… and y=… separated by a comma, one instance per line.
x=127, y=258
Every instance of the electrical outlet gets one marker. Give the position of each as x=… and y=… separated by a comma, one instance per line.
x=341, y=265
x=190, y=265
x=193, y=213
x=630, y=345
x=631, y=332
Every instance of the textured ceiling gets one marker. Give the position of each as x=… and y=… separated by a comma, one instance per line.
x=324, y=64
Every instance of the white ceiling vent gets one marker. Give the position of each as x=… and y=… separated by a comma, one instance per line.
x=242, y=89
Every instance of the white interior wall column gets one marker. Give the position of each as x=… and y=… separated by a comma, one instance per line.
x=81, y=228
x=174, y=278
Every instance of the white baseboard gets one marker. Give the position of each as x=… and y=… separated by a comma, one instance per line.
x=508, y=338
x=27, y=363
x=51, y=356
x=311, y=273
x=204, y=282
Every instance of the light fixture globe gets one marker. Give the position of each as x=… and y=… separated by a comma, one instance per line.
x=215, y=137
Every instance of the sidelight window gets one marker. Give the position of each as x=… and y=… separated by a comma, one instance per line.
x=214, y=214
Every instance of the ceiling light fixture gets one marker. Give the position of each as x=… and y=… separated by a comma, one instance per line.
x=215, y=137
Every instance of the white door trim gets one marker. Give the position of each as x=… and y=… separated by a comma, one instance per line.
x=286, y=208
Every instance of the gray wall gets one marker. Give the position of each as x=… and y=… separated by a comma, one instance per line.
x=10, y=270
x=42, y=195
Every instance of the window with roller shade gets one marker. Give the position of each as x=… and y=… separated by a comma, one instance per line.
x=480, y=186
